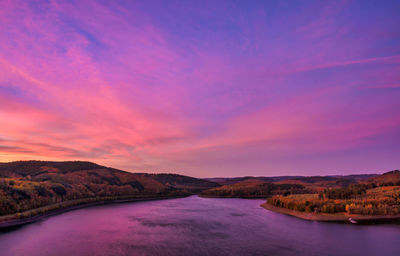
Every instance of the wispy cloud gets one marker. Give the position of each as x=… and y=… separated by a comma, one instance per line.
x=240, y=88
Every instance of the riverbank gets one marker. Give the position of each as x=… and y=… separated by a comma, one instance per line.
x=18, y=219
x=241, y=197
x=334, y=217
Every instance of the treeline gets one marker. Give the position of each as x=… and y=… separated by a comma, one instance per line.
x=254, y=190
x=383, y=202
x=25, y=168
x=22, y=195
x=351, y=191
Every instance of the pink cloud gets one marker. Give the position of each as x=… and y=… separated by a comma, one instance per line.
x=115, y=83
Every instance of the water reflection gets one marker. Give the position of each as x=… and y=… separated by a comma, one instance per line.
x=194, y=226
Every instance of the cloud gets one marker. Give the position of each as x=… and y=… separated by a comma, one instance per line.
x=132, y=86
x=14, y=149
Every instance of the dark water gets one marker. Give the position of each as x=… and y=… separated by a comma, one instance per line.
x=194, y=226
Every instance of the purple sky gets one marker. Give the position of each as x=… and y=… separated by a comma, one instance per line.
x=203, y=88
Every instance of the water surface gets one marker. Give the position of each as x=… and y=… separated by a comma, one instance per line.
x=194, y=226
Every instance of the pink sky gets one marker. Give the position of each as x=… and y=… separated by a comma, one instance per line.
x=203, y=89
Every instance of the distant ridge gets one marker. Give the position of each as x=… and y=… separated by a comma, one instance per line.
x=308, y=179
x=388, y=178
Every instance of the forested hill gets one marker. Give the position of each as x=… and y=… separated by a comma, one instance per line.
x=387, y=179
x=263, y=187
x=292, y=179
x=27, y=185
x=182, y=182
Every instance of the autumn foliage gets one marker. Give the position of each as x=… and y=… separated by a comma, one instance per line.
x=382, y=200
x=29, y=185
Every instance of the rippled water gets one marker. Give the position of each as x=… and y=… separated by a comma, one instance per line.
x=194, y=226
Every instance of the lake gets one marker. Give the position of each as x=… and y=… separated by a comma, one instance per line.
x=194, y=226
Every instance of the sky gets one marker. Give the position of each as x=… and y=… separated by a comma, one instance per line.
x=203, y=88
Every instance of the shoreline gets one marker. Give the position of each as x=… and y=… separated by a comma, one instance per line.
x=335, y=217
x=240, y=197
x=12, y=221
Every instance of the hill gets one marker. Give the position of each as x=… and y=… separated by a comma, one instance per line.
x=34, y=187
x=186, y=183
x=250, y=186
x=387, y=179
x=375, y=196
x=291, y=179
x=229, y=181
x=253, y=188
